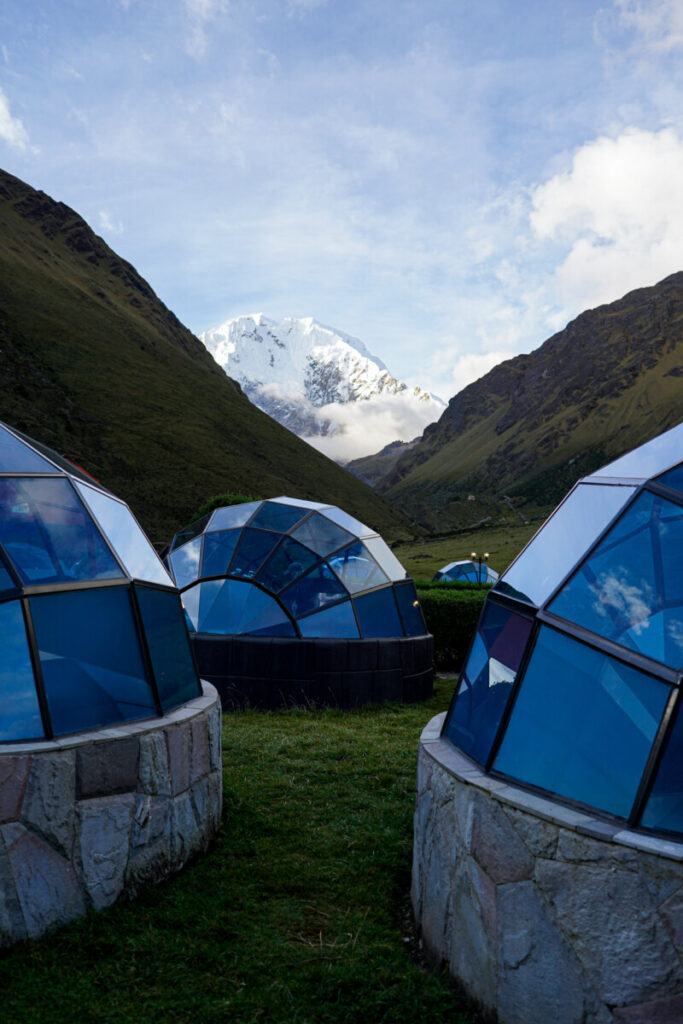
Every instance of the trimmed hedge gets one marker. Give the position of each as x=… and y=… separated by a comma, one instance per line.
x=451, y=611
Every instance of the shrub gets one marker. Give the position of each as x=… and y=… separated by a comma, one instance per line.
x=451, y=611
x=220, y=500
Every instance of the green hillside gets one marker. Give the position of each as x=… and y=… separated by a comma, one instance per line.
x=523, y=434
x=94, y=365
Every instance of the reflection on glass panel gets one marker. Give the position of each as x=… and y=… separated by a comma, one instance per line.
x=347, y=522
x=385, y=558
x=19, y=711
x=193, y=530
x=664, y=807
x=409, y=607
x=125, y=536
x=262, y=616
x=356, y=568
x=48, y=535
x=16, y=457
x=185, y=562
x=288, y=562
x=275, y=516
x=630, y=590
x=582, y=725
x=6, y=581
x=337, y=621
x=218, y=550
x=561, y=541
x=190, y=599
x=321, y=535
x=318, y=588
x=650, y=459
x=378, y=614
x=252, y=551
x=232, y=516
x=674, y=478
x=169, y=647
x=220, y=605
x=91, y=660
x=487, y=680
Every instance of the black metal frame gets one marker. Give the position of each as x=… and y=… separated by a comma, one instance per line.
x=541, y=616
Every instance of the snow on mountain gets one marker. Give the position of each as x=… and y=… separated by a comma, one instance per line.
x=322, y=384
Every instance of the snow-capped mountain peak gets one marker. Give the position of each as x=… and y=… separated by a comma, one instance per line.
x=307, y=376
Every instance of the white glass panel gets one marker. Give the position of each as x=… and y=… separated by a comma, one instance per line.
x=348, y=522
x=125, y=536
x=300, y=503
x=386, y=558
x=569, y=533
x=651, y=459
x=232, y=515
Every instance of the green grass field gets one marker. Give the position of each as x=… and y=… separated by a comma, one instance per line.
x=423, y=557
x=297, y=915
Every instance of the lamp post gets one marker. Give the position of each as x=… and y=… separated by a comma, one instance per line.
x=479, y=559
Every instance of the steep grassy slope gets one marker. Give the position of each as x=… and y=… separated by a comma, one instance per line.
x=533, y=425
x=94, y=365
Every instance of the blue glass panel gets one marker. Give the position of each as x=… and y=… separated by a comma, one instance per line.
x=190, y=599
x=487, y=680
x=191, y=531
x=169, y=646
x=317, y=589
x=378, y=614
x=664, y=808
x=91, y=659
x=16, y=457
x=19, y=710
x=231, y=516
x=674, y=478
x=48, y=535
x=125, y=536
x=582, y=725
x=348, y=522
x=631, y=588
x=218, y=550
x=321, y=535
x=6, y=581
x=272, y=516
x=263, y=616
x=185, y=562
x=288, y=562
x=357, y=569
x=562, y=540
x=337, y=621
x=220, y=605
x=409, y=607
x=252, y=551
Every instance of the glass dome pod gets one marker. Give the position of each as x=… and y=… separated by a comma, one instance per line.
x=291, y=568
x=572, y=684
x=91, y=624
x=467, y=571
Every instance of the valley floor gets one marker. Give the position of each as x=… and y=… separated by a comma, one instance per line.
x=298, y=914
x=422, y=558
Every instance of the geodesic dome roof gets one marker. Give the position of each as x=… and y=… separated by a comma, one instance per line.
x=288, y=567
x=91, y=627
x=572, y=684
x=467, y=570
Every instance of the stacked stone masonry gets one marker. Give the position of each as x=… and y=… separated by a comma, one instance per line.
x=89, y=819
x=543, y=914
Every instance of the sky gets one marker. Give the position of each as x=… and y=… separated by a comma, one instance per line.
x=449, y=181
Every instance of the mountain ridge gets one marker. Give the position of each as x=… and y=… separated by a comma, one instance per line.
x=96, y=367
x=535, y=423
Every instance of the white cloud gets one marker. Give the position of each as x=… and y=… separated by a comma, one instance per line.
x=11, y=128
x=366, y=427
x=659, y=23
x=619, y=212
x=108, y=225
x=200, y=13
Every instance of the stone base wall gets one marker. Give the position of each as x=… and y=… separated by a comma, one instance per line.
x=545, y=915
x=89, y=819
x=276, y=672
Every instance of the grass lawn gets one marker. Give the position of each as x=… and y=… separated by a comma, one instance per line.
x=423, y=557
x=298, y=912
